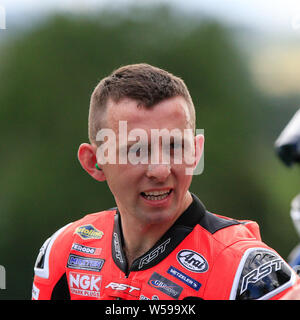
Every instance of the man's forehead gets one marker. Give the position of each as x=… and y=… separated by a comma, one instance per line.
x=173, y=111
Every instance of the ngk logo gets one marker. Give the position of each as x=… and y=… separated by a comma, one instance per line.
x=87, y=285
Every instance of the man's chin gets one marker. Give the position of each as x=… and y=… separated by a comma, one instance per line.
x=158, y=216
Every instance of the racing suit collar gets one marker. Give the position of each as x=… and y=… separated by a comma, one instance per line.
x=164, y=246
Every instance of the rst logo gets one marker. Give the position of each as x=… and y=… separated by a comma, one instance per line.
x=192, y=261
x=259, y=273
x=154, y=253
x=87, y=285
x=122, y=287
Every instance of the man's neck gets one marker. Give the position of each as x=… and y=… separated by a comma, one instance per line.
x=139, y=240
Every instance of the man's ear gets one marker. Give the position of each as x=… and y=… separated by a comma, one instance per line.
x=87, y=158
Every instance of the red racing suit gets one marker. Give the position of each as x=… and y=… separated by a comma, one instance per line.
x=202, y=256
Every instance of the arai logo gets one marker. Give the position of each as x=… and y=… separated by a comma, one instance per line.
x=192, y=261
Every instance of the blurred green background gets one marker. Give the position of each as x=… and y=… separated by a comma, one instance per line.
x=47, y=74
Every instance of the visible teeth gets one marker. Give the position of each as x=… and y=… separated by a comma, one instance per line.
x=156, y=197
x=156, y=193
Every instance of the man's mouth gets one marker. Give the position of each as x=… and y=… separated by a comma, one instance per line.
x=156, y=195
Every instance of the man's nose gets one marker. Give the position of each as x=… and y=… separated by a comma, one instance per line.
x=159, y=172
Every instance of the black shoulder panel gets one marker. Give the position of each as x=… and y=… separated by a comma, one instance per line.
x=197, y=214
x=213, y=223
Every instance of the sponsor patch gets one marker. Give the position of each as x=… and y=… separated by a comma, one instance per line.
x=165, y=285
x=192, y=261
x=122, y=290
x=87, y=285
x=85, y=249
x=88, y=231
x=184, y=278
x=83, y=263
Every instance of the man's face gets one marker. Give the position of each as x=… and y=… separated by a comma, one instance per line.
x=149, y=191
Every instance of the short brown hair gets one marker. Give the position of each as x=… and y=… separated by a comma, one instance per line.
x=146, y=84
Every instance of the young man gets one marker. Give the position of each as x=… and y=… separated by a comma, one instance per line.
x=159, y=242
